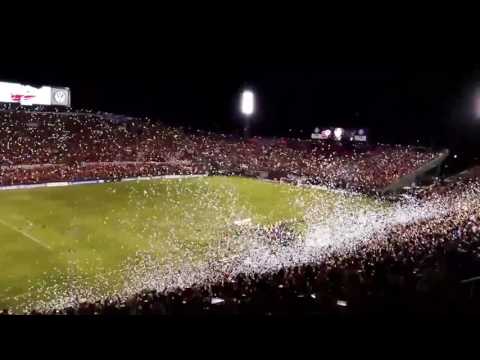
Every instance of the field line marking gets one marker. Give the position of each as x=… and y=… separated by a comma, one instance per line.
x=34, y=239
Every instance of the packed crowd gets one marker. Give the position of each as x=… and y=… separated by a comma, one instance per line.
x=66, y=146
x=417, y=265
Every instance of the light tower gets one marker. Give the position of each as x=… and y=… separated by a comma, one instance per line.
x=247, y=108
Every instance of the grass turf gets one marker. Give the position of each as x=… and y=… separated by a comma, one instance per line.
x=93, y=229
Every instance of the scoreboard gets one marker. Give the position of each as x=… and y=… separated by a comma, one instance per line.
x=340, y=134
x=30, y=95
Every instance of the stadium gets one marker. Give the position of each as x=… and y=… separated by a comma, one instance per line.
x=104, y=214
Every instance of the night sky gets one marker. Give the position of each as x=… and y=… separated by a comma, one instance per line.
x=400, y=103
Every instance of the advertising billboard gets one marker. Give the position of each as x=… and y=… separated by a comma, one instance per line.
x=30, y=95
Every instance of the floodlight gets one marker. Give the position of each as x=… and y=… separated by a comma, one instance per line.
x=476, y=104
x=247, y=106
x=338, y=132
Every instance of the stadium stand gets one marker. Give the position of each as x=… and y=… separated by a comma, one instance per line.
x=71, y=146
x=411, y=266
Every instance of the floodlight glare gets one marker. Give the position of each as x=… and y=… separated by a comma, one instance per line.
x=338, y=133
x=477, y=104
x=247, y=103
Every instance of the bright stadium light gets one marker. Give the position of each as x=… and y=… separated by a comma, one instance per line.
x=477, y=104
x=247, y=106
x=338, y=132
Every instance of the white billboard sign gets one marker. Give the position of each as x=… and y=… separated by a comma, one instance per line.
x=30, y=95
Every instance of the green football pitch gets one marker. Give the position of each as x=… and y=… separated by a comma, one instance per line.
x=52, y=236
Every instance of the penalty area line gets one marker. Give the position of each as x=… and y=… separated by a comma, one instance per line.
x=28, y=236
